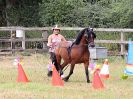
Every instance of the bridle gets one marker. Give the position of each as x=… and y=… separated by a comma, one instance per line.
x=87, y=38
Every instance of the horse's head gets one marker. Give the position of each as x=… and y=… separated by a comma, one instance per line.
x=90, y=36
x=86, y=35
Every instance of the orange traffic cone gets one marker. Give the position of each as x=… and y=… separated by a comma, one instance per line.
x=104, y=73
x=56, y=79
x=21, y=74
x=97, y=83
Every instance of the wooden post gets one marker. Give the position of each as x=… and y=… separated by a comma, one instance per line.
x=13, y=35
x=11, y=40
x=23, y=40
x=44, y=36
x=122, y=44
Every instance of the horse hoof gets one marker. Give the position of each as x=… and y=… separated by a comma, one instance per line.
x=49, y=74
x=65, y=79
x=89, y=81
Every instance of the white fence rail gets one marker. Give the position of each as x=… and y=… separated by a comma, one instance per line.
x=122, y=40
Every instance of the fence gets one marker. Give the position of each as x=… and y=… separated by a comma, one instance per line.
x=116, y=38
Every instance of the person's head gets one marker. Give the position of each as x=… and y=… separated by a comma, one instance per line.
x=56, y=30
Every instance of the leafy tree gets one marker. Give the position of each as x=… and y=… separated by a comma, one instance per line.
x=64, y=12
x=94, y=13
x=119, y=14
x=20, y=12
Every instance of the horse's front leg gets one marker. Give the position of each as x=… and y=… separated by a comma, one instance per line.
x=70, y=73
x=62, y=66
x=87, y=72
x=58, y=58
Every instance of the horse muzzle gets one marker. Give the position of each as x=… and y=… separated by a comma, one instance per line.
x=91, y=45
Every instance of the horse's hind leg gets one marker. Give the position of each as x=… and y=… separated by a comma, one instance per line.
x=87, y=73
x=70, y=73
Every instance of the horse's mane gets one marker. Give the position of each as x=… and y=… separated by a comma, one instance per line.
x=79, y=36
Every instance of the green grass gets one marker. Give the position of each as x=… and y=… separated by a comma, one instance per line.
x=40, y=87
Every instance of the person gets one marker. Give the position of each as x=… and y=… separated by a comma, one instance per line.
x=53, y=40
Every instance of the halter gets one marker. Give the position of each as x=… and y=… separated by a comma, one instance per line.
x=89, y=41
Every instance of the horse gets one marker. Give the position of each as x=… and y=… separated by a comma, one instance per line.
x=77, y=53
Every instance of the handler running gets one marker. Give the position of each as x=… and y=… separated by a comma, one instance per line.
x=53, y=40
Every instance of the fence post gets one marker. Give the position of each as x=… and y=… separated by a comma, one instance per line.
x=12, y=41
x=23, y=41
x=44, y=36
x=11, y=37
x=122, y=44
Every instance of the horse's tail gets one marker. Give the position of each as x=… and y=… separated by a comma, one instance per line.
x=54, y=60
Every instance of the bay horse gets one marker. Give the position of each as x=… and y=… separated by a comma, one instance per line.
x=77, y=53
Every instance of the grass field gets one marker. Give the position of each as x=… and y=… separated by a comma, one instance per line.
x=39, y=87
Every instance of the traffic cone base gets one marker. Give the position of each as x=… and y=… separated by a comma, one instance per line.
x=106, y=76
x=97, y=82
x=21, y=74
x=56, y=79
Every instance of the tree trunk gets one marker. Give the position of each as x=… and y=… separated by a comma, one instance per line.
x=7, y=7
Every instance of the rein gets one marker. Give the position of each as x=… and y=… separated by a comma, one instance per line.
x=65, y=68
x=72, y=46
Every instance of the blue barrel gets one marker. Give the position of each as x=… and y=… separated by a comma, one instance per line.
x=130, y=53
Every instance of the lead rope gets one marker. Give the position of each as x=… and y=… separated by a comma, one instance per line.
x=65, y=68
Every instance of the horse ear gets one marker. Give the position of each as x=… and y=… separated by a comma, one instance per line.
x=91, y=29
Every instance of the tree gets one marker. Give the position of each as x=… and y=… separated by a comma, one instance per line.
x=64, y=12
x=20, y=12
x=119, y=14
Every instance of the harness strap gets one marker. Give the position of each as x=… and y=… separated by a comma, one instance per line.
x=69, y=50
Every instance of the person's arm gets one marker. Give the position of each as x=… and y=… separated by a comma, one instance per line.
x=49, y=41
x=62, y=38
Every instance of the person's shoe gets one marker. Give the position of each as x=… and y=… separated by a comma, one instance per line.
x=49, y=74
x=62, y=76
